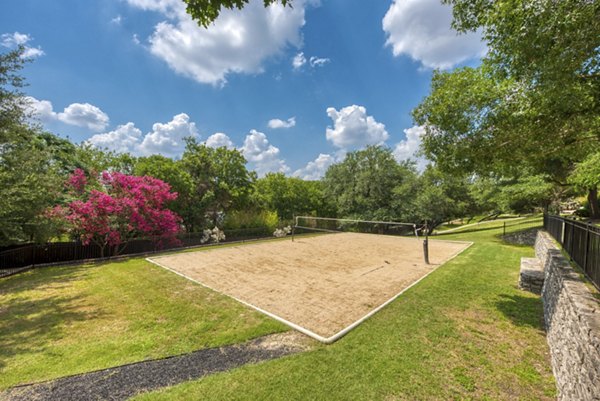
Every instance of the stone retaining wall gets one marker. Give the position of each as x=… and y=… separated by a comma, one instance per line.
x=525, y=237
x=572, y=317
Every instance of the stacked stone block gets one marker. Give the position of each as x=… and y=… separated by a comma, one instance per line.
x=572, y=318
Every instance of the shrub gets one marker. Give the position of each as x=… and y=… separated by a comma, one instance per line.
x=241, y=219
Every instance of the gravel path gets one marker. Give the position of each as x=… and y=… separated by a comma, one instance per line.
x=122, y=382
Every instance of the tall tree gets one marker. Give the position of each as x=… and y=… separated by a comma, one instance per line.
x=440, y=197
x=525, y=194
x=220, y=182
x=290, y=196
x=586, y=177
x=363, y=184
x=173, y=173
x=12, y=100
x=29, y=183
x=29, y=178
x=535, y=100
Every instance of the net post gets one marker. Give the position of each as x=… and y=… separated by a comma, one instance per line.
x=295, y=223
x=426, y=244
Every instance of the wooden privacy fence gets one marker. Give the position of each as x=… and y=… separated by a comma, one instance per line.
x=580, y=240
x=30, y=255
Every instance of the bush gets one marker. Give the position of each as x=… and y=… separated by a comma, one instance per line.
x=582, y=212
x=241, y=219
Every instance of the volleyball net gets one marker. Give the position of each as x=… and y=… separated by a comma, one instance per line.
x=335, y=225
x=304, y=224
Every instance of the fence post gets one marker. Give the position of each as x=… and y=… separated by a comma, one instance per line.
x=504, y=229
x=426, y=244
x=293, y=226
x=571, y=241
x=585, y=248
x=544, y=222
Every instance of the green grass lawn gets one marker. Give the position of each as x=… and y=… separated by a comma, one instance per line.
x=464, y=332
x=58, y=321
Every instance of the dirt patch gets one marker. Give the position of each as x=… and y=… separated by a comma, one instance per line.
x=322, y=284
x=291, y=340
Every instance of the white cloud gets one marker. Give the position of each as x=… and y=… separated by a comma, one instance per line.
x=77, y=114
x=315, y=170
x=298, y=61
x=12, y=40
x=261, y=155
x=168, y=139
x=41, y=109
x=84, y=115
x=421, y=29
x=408, y=148
x=239, y=41
x=353, y=128
x=124, y=139
x=116, y=20
x=318, y=62
x=168, y=7
x=33, y=52
x=135, y=39
x=219, y=140
x=165, y=138
x=276, y=123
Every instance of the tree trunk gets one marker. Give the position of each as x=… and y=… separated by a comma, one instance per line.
x=593, y=203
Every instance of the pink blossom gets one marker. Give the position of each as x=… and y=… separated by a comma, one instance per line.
x=124, y=207
x=77, y=180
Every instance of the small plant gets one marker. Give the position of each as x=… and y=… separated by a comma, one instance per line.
x=282, y=232
x=215, y=235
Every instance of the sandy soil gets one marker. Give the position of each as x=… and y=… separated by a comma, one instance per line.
x=323, y=283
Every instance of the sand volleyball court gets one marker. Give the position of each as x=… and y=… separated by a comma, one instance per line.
x=322, y=285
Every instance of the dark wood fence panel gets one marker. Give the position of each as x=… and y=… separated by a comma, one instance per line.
x=17, y=259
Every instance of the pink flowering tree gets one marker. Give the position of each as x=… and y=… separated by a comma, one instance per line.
x=116, y=208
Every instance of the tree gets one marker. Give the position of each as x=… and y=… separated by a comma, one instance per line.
x=93, y=160
x=29, y=183
x=440, y=197
x=551, y=45
x=206, y=12
x=525, y=194
x=12, y=100
x=586, y=177
x=363, y=184
x=116, y=208
x=485, y=192
x=290, y=196
x=174, y=173
x=29, y=179
x=220, y=182
x=535, y=100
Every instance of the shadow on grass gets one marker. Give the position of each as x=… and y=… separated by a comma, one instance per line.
x=522, y=311
x=30, y=322
x=43, y=276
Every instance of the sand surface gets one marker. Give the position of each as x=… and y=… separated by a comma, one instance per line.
x=322, y=283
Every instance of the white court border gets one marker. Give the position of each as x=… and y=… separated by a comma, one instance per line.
x=339, y=334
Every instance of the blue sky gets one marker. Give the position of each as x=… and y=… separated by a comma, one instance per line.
x=293, y=88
